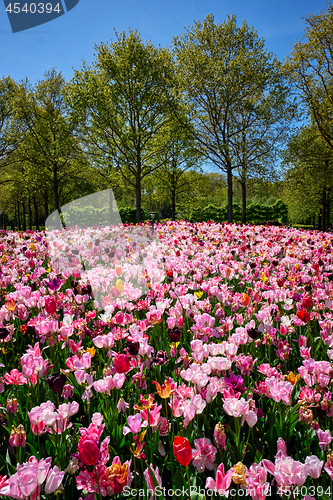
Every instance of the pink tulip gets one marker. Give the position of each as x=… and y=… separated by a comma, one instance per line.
x=324, y=437
x=313, y=466
x=134, y=422
x=222, y=480
x=53, y=480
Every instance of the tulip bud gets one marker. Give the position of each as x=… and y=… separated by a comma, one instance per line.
x=56, y=381
x=174, y=334
x=18, y=436
x=220, y=436
x=12, y=405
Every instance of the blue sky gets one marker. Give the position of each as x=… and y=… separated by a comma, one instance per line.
x=64, y=42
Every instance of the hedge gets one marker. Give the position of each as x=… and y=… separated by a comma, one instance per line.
x=255, y=212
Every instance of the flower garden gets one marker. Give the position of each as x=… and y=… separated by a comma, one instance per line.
x=206, y=374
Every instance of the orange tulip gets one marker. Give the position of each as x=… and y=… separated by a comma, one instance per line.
x=239, y=475
x=166, y=390
x=116, y=476
x=292, y=378
x=10, y=304
x=246, y=300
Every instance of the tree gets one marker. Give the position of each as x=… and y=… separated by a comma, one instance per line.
x=308, y=172
x=229, y=81
x=266, y=126
x=51, y=151
x=311, y=67
x=8, y=126
x=180, y=157
x=124, y=100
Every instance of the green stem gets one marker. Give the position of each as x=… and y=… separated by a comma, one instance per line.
x=247, y=442
x=166, y=414
x=134, y=464
x=99, y=489
x=188, y=482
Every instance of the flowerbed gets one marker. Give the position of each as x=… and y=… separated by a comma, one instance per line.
x=216, y=381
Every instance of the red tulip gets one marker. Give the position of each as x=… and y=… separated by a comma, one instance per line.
x=307, y=301
x=182, y=450
x=303, y=315
x=121, y=363
x=88, y=450
x=50, y=305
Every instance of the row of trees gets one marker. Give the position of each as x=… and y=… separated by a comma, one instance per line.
x=144, y=121
x=143, y=118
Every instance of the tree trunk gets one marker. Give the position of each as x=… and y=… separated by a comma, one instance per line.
x=173, y=204
x=46, y=205
x=56, y=198
x=243, y=184
x=229, y=174
x=15, y=217
x=18, y=216
x=110, y=208
x=324, y=210
x=30, y=213
x=173, y=190
x=319, y=220
x=328, y=205
x=138, y=185
x=138, y=199
x=23, y=217
x=55, y=188
x=36, y=213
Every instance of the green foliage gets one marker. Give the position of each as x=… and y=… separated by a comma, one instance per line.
x=128, y=215
x=310, y=65
x=308, y=174
x=255, y=212
x=303, y=226
x=100, y=216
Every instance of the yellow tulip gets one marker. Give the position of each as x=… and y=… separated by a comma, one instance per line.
x=119, y=285
x=263, y=277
